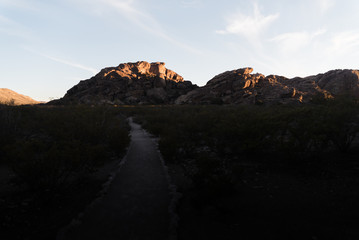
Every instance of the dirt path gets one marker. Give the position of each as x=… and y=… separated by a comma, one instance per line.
x=136, y=203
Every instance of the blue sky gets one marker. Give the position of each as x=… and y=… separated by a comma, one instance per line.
x=46, y=47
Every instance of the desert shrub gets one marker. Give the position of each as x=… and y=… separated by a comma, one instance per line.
x=117, y=139
x=52, y=146
x=300, y=133
x=10, y=102
x=9, y=121
x=212, y=178
x=341, y=122
x=169, y=148
x=298, y=138
x=45, y=167
x=272, y=134
x=54, y=152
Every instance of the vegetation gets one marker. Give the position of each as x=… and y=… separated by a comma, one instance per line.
x=244, y=162
x=53, y=152
x=10, y=102
x=232, y=159
x=275, y=135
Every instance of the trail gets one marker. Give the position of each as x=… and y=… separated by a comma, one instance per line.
x=136, y=204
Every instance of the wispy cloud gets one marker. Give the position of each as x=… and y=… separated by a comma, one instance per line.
x=72, y=64
x=249, y=26
x=63, y=61
x=131, y=10
x=325, y=5
x=294, y=41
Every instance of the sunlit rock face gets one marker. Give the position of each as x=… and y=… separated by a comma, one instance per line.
x=10, y=97
x=242, y=87
x=130, y=83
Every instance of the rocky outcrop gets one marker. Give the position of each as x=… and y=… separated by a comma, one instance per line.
x=10, y=97
x=130, y=83
x=242, y=87
x=153, y=83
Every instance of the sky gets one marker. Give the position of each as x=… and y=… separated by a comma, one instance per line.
x=46, y=47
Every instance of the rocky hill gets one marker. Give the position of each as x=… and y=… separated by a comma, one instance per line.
x=130, y=83
x=241, y=86
x=10, y=97
x=153, y=83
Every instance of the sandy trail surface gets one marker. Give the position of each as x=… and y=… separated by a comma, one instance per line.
x=136, y=203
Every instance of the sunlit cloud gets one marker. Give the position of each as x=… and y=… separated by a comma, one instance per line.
x=249, y=26
x=294, y=41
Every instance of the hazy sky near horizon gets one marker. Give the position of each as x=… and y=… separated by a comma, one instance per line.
x=46, y=47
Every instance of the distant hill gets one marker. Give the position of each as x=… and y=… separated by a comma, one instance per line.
x=8, y=96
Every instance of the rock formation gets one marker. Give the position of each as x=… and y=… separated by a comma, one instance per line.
x=130, y=83
x=152, y=83
x=241, y=86
x=10, y=97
